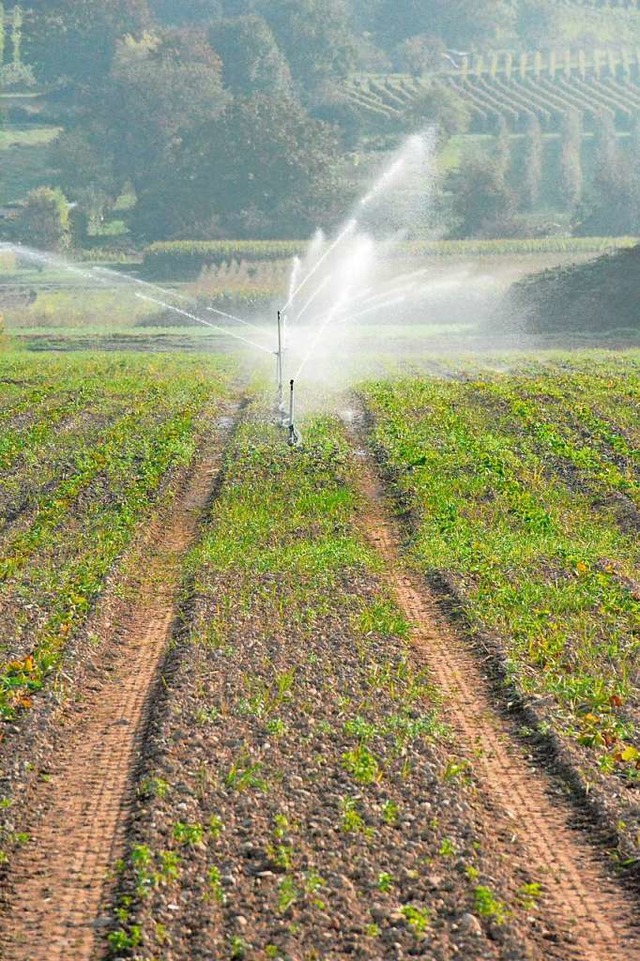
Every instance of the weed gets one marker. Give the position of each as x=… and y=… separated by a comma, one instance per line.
x=417, y=918
x=456, y=769
x=313, y=882
x=245, y=775
x=385, y=882
x=447, y=848
x=189, y=834
x=288, y=894
x=362, y=765
x=487, y=905
x=359, y=728
x=237, y=947
x=390, y=812
x=125, y=940
x=215, y=826
x=154, y=787
x=276, y=727
x=383, y=617
x=352, y=820
x=214, y=884
x=529, y=895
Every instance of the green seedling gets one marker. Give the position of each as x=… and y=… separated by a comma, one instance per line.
x=417, y=918
x=487, y=905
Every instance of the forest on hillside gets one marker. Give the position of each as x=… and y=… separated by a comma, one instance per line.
x=201, y=119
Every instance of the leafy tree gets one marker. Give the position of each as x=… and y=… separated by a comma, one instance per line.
x=571, y=179
x=613, y=206
x=44, y=220
x=315, y=36
x=456, y=21
x=251, y=60
x=532, y=163
x=155, y=94
x=420, y=54
x=537, y=21
x=482, y=200
x=184, y=12
x=440, y=107
x=85, y=172
x=16, y=34
x=503, y=148
x=2, y=34
x=606, y=143
x=263, y=169
x=75, y=40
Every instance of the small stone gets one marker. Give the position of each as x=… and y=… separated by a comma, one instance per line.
x=241, y=921
x=470, y=925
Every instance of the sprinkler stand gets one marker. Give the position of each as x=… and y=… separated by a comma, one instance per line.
x=294, y=435
x=280, y=368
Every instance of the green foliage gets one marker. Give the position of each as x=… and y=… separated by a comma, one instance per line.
x=483, y=202
x=71, y=41
x=487, y=905
x=533, y=164
x=129, y=423
x=44, y=220
x=251, y=59
x=571, y=177
x=545, y=564
x=264, y=169
x=315, y=37
x=417, y=918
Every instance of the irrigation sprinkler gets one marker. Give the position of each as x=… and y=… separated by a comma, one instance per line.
x=280, y=367
x=294, y=439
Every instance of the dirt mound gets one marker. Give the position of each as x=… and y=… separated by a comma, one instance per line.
x=598, y=297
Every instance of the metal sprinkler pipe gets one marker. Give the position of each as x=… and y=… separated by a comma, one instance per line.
x=294, y=439
x=280, y=368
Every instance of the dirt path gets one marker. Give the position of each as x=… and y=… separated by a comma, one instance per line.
x=61, y=877
x=582, y=899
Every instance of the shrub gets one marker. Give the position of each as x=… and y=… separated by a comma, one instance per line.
x=44, y=220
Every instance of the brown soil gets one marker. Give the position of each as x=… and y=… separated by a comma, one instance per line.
x=582, y=898
x=60, y=881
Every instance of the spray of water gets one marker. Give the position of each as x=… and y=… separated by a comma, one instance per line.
x=205, y=323
x=107, y=278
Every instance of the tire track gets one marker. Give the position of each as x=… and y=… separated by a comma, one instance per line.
x=582, y=899
x=61, y=880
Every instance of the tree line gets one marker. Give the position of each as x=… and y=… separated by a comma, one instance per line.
x=224, y=118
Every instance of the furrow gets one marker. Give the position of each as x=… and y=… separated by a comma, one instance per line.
x=63, y=878
x=581, y=897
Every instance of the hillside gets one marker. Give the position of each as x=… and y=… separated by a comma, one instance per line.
x=513, y=87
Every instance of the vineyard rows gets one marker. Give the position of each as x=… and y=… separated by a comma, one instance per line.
x=514, y=87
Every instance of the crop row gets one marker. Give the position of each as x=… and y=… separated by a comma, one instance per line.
x=300, y=789
x=527, y=492
x=513, y=95
x=260, y=262
x=100, y=443
x=620, y=62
